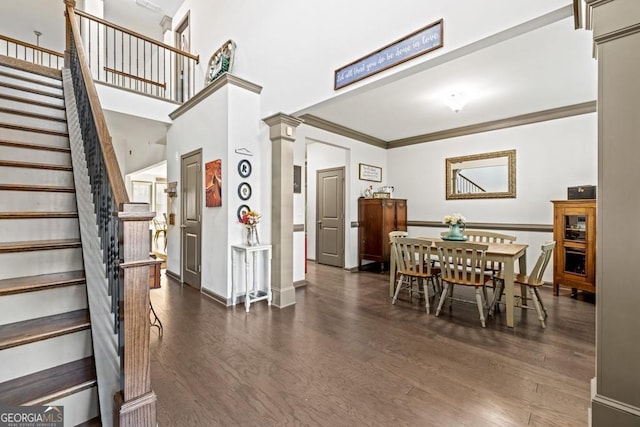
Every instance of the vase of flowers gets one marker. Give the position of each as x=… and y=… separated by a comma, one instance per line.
x=250, y=220
x=457, y=224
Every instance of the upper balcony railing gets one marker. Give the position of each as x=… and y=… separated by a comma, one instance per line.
x=126, y=59
x=29, y=52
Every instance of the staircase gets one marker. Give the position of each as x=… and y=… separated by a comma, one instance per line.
x=46, y=354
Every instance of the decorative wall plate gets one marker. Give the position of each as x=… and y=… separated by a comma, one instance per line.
x=244, y=191
x=243, y=209
x=244, y=168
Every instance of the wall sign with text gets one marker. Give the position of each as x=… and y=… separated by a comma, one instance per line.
x=369, y=173
x=415, y=44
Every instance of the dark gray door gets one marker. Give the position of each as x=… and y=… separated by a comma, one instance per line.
x=191, y=178
x=330, y=217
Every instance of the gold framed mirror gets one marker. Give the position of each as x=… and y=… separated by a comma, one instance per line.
x=481, y=176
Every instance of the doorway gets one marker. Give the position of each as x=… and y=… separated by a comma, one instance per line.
x=183, y=42
x=330, y=216
x=191, y=227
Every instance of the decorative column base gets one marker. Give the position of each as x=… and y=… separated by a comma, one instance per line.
x=140, y=411
x=283, y=297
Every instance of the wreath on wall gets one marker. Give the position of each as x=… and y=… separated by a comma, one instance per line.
x=221, y=62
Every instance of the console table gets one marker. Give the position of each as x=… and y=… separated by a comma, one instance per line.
x=257, y=286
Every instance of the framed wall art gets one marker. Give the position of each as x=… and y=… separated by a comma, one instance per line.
x=213, y=183
x=369, y=173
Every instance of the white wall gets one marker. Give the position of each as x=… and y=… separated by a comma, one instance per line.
x=331, y=150
x=550, y=156
x=293, y=53
x=227, y=119
x=134, y=104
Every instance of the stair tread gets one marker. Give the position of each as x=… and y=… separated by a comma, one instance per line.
x=39, y=245
x=30, y=79
x=50, y=384
x=37, y=215
x=31, y=146
x=33, y=129
x=43, y=188
x=17, y=164
x=32, y=115
x=30, y=67
x=31, y=90
x=42, y=281
x=28, y=331
x=93, y=422
x=31, y=101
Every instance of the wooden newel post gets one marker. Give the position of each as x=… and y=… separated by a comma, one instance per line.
x=71, y=4
x=135, y=403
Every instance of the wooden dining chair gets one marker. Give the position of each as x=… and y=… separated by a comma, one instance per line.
x=531, y=282
x=482, y=236
x=413, y=260
x=455, y=261
x=393, y=271
x=160, y=228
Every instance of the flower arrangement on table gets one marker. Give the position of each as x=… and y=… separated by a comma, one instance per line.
x=250, y=220
x=456, y=218
x=457, y=224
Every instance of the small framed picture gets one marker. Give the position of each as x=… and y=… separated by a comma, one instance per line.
x=369, y=173
x=244, y=168
x=244, y=191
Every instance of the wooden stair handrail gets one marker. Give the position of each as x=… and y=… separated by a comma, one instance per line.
x=31, y=46
x=111, y=162
x=137, y=35
x=134, y=77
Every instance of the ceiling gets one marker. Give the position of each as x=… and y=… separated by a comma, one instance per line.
x=518, y=72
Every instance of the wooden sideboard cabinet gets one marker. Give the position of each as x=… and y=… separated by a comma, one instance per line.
x=376, y=218
x=574, y=230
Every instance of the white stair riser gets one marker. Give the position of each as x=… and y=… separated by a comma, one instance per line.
x=31, y=85
x=33, y=137
x=23, y=106
x=32, y=96
x=34, y=176
x=20, y=264
x=19, y=72
x=44, y=354
x=15, y=230
x=79, y=407
x=46, y=302
x=37, y=156
x=20, y=120
x=36, y=201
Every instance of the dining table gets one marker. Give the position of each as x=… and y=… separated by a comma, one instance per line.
x=505, y=253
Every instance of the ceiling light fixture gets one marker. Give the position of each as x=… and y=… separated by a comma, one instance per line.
x=456, y=101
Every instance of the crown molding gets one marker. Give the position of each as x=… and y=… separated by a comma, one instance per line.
x=220, y=82
x=323, y=124
x=524, y=119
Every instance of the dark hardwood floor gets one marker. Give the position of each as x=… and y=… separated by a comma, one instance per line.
x=344, y=356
